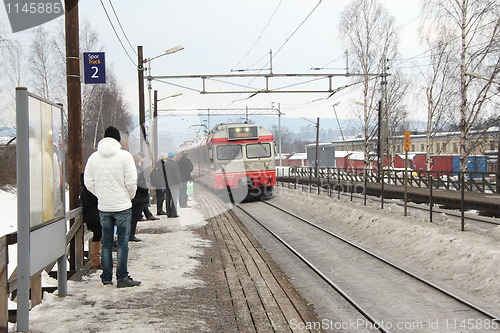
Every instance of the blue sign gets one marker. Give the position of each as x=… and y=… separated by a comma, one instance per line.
x=94, y=67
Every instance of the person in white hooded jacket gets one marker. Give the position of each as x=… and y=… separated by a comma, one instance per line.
x=111, y=175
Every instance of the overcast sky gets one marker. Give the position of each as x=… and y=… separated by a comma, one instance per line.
x=222, y=35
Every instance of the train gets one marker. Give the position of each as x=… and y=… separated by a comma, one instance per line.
x=235, y=160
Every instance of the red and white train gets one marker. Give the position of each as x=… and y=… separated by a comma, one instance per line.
x=236, y=157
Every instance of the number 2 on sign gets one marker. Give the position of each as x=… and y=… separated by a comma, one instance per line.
x=96, y=70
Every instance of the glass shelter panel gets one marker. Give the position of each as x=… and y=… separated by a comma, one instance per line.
x=46, y=162
x=35, y=164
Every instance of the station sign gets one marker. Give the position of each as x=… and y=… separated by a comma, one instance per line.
x=407, y=141
x=94, y=68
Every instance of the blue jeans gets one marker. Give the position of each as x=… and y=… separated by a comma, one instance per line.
x=122, y=221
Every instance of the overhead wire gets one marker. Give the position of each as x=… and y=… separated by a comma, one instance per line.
x=260, y=36
x=297, y=29
x=116, y=34
x=282, y=45
x=251, y=48
x=421, y=55
x=121, y=27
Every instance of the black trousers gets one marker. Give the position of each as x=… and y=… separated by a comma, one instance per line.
x=146, y=211
x=171, y=210
x=160, y=198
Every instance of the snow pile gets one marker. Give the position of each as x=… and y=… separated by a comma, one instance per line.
x=465, y=262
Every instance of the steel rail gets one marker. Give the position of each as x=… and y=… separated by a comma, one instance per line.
x=427, y=282
x=332, y=284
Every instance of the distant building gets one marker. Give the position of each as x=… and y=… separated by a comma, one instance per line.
x=441, y=143
x=326, y=154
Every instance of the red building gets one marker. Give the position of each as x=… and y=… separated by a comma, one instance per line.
x=297, y=160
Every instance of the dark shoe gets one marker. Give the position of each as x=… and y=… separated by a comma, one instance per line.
x=142, y=220
x=127, y=282
x=161, y=212
x=174, y=216
x=134, y=239
x=107, y=283
x=153, y=218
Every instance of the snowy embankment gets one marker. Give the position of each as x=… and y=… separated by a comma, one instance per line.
x=467, y=263
x=8, y=206
x=165, y=261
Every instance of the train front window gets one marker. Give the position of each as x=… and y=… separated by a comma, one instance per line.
x=258, y=150
x=230, y=152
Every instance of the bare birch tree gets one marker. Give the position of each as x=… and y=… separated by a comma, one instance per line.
x=441, y=90
x=13, y=68
x=397, y=87
x=475, y=26
x=368, y=32
x=42, y=64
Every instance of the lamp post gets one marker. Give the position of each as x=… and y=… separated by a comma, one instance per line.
x=140, y=69
x=316, y=157
x=479, y=76
x=155, y=122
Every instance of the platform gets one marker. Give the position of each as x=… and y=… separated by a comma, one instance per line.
x=262, y=298
x=201, y=272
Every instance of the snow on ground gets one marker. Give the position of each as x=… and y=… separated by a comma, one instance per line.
x=170, y=250
x=465, y=262
x=8, y=206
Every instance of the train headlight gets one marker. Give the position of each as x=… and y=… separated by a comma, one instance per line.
x=266, y=164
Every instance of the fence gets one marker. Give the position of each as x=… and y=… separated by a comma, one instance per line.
x=483, y=182
x=8, y=284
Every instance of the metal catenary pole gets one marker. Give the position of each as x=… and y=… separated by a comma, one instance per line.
x=316, y=161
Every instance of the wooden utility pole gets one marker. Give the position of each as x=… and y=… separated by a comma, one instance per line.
x=142, y=107
x=74, y=160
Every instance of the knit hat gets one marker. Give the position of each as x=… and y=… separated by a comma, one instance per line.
x=112, y=132
x=171, y=155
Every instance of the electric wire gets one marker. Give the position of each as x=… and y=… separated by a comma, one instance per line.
x=178, y=85
x=421, y=55
x=280, y=48
x=260, y=36
x=121, y=27
x=116, y=34
x=297, y=29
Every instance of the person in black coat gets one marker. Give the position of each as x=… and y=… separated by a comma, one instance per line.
x=173, y=180
x=141, y=197
x=159, y=181
x=91, y=219
x=185, y=168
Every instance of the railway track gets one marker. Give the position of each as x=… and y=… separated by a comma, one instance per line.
x=449, y=212
x=417, y=300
